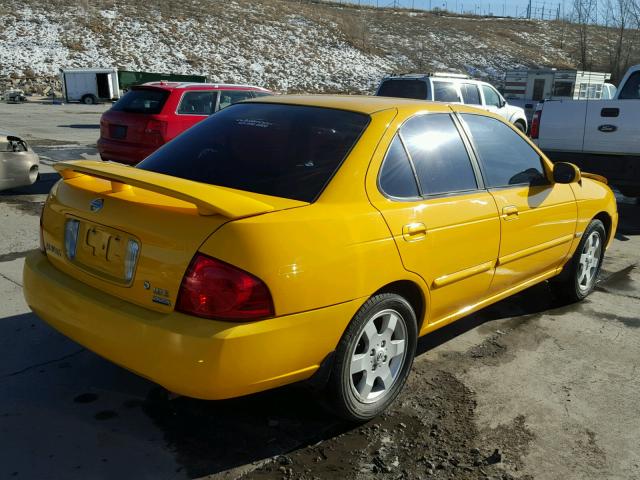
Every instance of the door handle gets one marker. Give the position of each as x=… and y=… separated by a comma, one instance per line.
x=510, y=212
x=414, y=231
x=610, y=112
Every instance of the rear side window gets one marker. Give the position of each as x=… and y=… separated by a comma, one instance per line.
x=287, y=151
x=396, y=175
x=198, y=103
x=470, y=94
x=229, y=97
x=142, y=100
x=445, y=92
x=403, y=89
x=439, y=155
x=507, y=159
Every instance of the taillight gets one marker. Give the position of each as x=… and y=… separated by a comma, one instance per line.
x=535, y=124
x=214, y=289
x=156, y=127
x=104, y=128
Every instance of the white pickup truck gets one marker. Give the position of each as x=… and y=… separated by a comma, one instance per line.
x=600, y=136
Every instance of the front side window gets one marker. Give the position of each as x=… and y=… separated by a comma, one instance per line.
x=507, y=159
x=445, y=92
x=198, y=103
x=287, y=151
x=396, y=175
x=631, y=88
x=438, y=154
x=491, y=97
x=229, y=97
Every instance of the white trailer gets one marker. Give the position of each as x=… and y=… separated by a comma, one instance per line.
x=90, y=85
x=526, y=88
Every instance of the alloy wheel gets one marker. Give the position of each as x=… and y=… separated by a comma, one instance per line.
x=378, y=357
x=589, y=261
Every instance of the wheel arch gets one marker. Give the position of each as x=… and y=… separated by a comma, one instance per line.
x=606, y=219
x=412, y=293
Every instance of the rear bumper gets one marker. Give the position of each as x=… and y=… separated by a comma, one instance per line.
x=187, y=355
x=124, y=152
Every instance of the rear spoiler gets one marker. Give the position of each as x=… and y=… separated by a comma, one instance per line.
x=208, y=199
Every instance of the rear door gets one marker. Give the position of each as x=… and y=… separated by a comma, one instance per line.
x=537, y=217
x=613, y=126
x=193, y=107
x=444, y=223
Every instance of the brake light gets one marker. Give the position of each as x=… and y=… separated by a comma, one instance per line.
x=156, y=127
x=535, y=124
x=214, y=289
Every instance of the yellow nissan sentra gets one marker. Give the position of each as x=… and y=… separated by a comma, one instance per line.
x=309, y=236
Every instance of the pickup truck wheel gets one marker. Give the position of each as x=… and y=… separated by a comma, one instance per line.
x=578, y=279
x=521, y=126
x=373, y=358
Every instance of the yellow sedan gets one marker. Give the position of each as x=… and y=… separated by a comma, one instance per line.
x=309, y=237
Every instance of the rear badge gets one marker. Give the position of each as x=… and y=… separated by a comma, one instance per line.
x=96, y=205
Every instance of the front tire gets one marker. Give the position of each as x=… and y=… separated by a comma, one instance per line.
x=373, y=358
x=521, y=126
x=581, y=273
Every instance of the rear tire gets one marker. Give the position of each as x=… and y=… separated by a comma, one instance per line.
x=89, y=100
x=521, y=126
x=578, y=279
x=373, y=358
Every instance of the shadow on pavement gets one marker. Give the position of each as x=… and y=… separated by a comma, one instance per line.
x=82, y=125
x=40, y=187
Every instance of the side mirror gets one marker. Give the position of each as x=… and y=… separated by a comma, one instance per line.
x=564, y=172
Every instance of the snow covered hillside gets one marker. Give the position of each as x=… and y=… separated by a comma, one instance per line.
x=288, y=46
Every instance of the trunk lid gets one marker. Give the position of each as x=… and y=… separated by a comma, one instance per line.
x=132, y=233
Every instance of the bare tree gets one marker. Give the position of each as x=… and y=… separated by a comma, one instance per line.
x=584, y=14
x=621, y=35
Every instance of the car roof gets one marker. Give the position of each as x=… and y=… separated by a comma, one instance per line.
x=368, y=104
x=168, y=85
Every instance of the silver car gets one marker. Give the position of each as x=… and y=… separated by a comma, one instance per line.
x=18, y=163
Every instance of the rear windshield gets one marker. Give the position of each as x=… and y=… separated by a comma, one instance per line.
x=282, y=150
x=403, y=89
x=143, y=100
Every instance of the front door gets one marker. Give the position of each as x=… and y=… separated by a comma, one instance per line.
x=445, y=225
x=537, y=217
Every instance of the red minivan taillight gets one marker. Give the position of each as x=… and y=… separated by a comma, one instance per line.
x=535, y=124
x=156, y=127
x=214, y=289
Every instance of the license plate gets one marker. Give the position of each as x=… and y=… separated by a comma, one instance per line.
x=118, y=131
x=102, y=251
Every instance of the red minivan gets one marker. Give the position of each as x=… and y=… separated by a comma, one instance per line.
x=150, y=115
